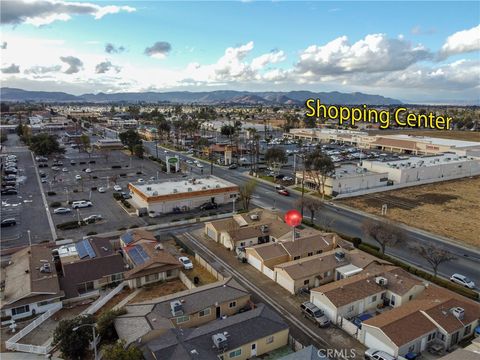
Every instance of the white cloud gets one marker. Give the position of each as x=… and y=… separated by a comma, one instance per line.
x=270, y=58
x=461, y=42
x=43, y=12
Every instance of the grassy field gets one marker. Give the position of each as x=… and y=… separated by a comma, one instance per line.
x=449, y=208
x=455, y=135
x=158, y=290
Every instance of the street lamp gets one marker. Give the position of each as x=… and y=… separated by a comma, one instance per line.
x=94, y=337
x=78, y=216
x=29, y=238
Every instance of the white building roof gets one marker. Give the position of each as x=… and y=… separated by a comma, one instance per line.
x=436, y=141
x=159, y=188
x=349, y=270
x=425, y=161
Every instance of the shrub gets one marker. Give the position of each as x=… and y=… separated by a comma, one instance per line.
x=134, y=226
x=69, y=225
x=117, y=196
x=116, y=166
x=92, y=233
x=122, y=228
x=126, y=204
x=93, y=188
x=51, y=193
x=122, y=175
x=356, y=242
x=138, y=173
x=94, y=177
x=55, y=204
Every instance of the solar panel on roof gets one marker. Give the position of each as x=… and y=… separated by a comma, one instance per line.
x=138, y=255
x=89, y=249
x=82, y=252
x=127, y=238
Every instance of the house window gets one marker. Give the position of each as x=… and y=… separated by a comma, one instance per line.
x=411, y=348
x=431, y=336
x=235, y=353
x=350, y=308
x=204, y=312
x=269, y=340
x=467, y=330
x=410, y=297
x=232, y=304
x=319, y=251
x=306, y=282
x=442, y=337
x=116, y=277
x=85, y=287
x=310, y=254
x=151, y=277
x=296, y=257
x=20, y=310
x=374, y=298
x=242, y=244
x=183, y=319
x=169, y=273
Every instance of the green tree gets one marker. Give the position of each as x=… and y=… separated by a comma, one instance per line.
x=130, y=138
x=246, y=192
x=85, y=142
x=275, y=157
x=139, y=150
x=318, y=167
x=117, y=351
x=45, y=144
x=106, y=330
x=73, y=344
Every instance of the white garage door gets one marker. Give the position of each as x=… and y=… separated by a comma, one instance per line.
x=269, y=273
x=287, y=283
x=252, y=260
x=211, y=233
x=374, y=343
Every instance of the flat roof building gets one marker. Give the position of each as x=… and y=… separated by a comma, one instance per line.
x=161, y=197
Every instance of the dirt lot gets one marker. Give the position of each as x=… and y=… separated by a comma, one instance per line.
x=455, y=135
x=199, y=271
x=158, y=290
x=449, y=208
x=113, y=301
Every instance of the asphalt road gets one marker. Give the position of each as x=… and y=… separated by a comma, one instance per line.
x=348, y=222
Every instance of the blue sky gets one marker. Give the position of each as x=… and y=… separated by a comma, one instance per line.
x=410, y=50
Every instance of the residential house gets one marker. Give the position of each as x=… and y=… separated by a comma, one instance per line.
x=29, y=283
x=438, y=317
x=149, y=263
x=137, y=236
x=366, y=292
x=308, y=353
x=243, y=336
x=265, y=257
x=191, y=308
x=88, y=265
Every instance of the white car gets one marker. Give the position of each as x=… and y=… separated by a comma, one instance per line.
x=189, y=161
x=199, y=165
x=78, y=177
x=373, y=354
x=92, y=218
x=101, y=190
x=65, y=170
x=81, y=204
x=117, y=188
x=187, y=264
x=62, y=210
x=88, y=170
x=55, y=168
x=462, y=280
x=140, y=181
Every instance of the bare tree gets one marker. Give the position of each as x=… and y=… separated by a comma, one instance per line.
x=319, y=166
x=312, y=205
x=385, y=233
x=246, y=192
x=434, y=255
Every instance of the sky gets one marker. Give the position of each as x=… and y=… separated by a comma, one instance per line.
x=412, y=51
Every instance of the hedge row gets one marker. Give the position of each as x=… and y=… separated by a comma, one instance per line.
x=69, y=225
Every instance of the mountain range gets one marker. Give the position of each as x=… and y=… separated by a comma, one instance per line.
x=205, y=97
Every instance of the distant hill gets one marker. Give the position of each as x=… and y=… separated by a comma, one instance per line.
x=204, y=97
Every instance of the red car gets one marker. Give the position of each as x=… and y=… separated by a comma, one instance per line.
x=283, y=192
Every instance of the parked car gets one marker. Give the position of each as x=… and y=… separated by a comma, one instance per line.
x=73, y=162
x=208, y=206
x=9, y=183
x=78, y=177
x=62, y=210
x=9, y=222
x=189, y=161
x=283, y=192
x=279, y=176
x=88, y=170
x=199, y=165
x=42, y=165
x=287, y=178
x=372, y=354
x=43, y=180
x=92, y=218
x=117, y=188
x=10, y=177
x=140, y=181
x=81, y=204
x=65, y=170
x=462, y=280
x=56, y=168
x=9, y=192
x=101, y=189
x=187, y=264
x=10, y=171
x=279, y=187
x=312, y=312
x=233, y=166
x=42, y=174
x=126, y=195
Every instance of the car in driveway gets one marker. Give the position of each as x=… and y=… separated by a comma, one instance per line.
x=373, y=354
x=283, y=192
x=92, y=218
x=117, y=188
x=186, y=262
x=78, y=177
x=9, y=222
x=463, y=280
x=312, y=312
x=208, y=206
x=62, y=210
x=9, y=192
x=81, y=204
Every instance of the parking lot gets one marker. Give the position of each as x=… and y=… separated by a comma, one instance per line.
x=26, y=207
